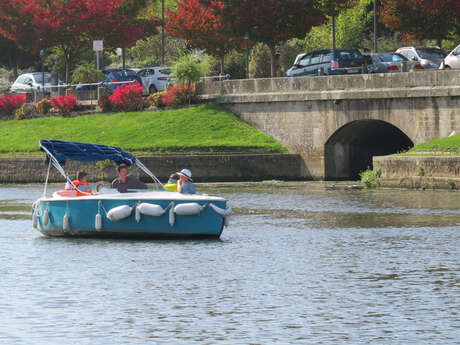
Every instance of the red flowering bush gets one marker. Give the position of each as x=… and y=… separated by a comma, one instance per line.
x=10, y=103
x=128, y=97
x=64, y=104
x=179, y=94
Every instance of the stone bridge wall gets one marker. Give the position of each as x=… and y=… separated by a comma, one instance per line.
x=303, y=113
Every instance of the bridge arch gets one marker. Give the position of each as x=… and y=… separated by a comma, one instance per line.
x=349, y=150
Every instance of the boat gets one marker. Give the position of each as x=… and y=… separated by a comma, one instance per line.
x=150, y=213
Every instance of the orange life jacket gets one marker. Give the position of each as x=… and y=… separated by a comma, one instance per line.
x=82, y=187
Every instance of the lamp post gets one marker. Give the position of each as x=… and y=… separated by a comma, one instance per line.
x=246, y=38
x=162, y=32
x=375, y=26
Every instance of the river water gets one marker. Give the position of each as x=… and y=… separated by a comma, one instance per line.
x=301, y=263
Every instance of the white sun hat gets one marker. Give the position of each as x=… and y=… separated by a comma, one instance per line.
x=186, y=173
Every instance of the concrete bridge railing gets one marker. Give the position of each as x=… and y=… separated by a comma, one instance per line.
x=338, y=123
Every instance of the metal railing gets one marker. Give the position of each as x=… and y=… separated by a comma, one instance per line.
x=90, y=95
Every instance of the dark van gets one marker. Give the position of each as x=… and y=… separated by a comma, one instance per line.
x=329, y=62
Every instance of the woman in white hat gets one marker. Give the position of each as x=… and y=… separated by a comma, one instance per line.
x=185, y=184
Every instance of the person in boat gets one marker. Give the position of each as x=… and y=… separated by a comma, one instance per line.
x=124, y=182
x=171, y=185
x=185, y=185
x=82, y=185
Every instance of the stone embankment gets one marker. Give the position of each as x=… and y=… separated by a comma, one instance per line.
x=205, y=168
x=419, y=171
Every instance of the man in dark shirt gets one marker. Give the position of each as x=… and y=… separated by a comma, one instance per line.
x=124, y=182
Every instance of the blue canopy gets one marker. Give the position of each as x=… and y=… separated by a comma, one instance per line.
x=83, y=152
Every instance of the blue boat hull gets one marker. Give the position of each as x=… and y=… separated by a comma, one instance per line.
x=81, y=220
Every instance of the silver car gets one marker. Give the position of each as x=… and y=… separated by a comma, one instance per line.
x=31, y=82
x=452, y=60
x=390, y=62
x=429, y=57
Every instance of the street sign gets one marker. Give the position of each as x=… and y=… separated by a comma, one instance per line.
x=42, y=52
x=98, y=46
x=119, y=52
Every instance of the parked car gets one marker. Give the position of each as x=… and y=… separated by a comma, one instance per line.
x=390, y=62
x=33, y=82
x=318, y=62
x=428, y=57
x=452, y=60
x=112, y=79
x=154, y=79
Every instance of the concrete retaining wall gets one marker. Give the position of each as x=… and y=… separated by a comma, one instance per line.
x=430, y=166
x=205, y=168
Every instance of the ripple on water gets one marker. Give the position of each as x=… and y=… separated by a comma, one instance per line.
x=298, y=265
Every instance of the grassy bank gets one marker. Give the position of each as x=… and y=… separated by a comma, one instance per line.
x=449, y=145
x=205, y=128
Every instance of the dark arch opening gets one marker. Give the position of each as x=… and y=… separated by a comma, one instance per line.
x=351, y=148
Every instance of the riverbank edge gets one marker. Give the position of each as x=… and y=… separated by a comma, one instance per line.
x=234, y=167
x=419, y=172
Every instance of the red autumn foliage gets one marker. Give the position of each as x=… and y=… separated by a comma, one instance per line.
x=64, y=104
x=70, y=24
x=270, y=21
x=10, y=103
x=203, y=27
x=179, y=94
x=128, y=97
x=422, y=19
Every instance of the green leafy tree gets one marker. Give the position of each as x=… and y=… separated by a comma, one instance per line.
x=352, y=28
x=188, y=69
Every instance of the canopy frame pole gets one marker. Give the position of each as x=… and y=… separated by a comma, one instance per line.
x=58, y=166
x=148, y=172
x=46, y=180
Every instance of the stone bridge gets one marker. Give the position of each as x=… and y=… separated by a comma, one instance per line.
x=338, y=123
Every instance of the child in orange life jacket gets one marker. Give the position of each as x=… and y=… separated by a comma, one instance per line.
x=83, y=187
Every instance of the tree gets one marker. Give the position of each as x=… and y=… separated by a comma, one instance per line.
x=14, y=57
x=70, y=25
x=270, y=21
x=422, y=19
x=333, y=8
x=203, y=27
x=352, y=28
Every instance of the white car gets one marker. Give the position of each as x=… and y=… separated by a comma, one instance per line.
x=154, y=79
x=31, y=82
x=452, y=60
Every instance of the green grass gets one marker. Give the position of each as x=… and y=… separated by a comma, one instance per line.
x=205, y=128
x=450, y=145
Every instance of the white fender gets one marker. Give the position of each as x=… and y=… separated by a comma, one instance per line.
x=188, y=209
x=65, y=222
x=98, y=222
x=224, y=213
x=137, y=215
x=151, y=210
x=35, y=219
x=46, y=217
x=172, y=218
x=119, y=213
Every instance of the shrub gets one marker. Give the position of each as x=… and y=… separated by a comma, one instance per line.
x=369, y=178
x=155, y=99
x=44, y=106
x=104, y=103
x=10, y=103
x=128, y=97
x=188, y=69
x=259, y=64
x=234, y=65
x=64, y=104
x=179, y=94
x=26, y=111
x=87, y=73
